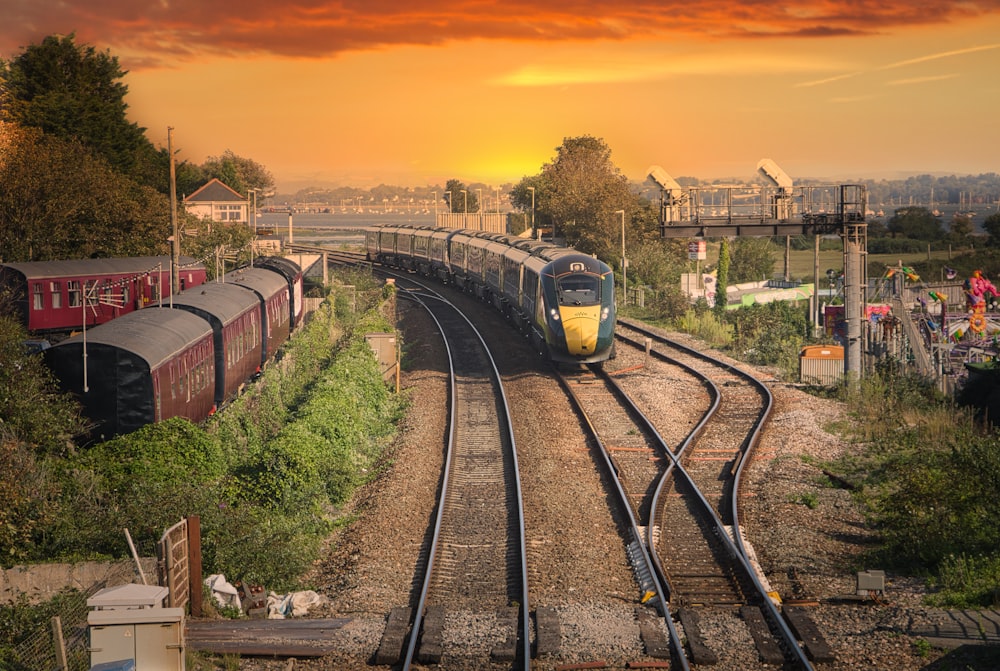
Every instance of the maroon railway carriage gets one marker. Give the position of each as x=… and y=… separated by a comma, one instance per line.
x=50, y=295
x=234, y=315
x=293, y=275
x=271, y=289
x=144, y=367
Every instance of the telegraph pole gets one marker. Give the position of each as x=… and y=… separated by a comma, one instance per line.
x=175, y=247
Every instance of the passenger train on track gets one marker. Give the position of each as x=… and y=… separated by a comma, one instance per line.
x=186, y=358
x=562, y=300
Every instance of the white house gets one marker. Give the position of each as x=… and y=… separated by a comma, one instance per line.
x=217, y=202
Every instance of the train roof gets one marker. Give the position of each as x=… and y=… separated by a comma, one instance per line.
x=282, y=264
x=153, y=334
x=264, y=281
x=109, y=266
x=223, y=301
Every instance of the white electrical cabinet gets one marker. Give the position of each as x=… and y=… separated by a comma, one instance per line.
x=130, y=622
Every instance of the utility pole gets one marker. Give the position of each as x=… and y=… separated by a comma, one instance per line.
x=175, y=247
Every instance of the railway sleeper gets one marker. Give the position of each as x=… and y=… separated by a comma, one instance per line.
x=803, y=626
x=701, y=654
x=768, y=649
x=390, y=648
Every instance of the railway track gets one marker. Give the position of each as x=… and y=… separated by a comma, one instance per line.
x=694, y=532
x=475, y=569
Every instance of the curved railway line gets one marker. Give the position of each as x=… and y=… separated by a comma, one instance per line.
x=681, y=500
x=476, y=563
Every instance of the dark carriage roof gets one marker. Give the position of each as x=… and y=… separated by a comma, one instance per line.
x=112, y=266
x=280, y=263
x=223, y=301
x=264, y=281
x=154, y=334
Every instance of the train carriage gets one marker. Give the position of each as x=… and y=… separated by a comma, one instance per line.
x=293, y=276
x=234, y=315
x=50, y=295
x=562, y=300
x=271, y=290
x=144, y=367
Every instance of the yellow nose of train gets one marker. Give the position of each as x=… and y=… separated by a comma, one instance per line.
x=580, y=324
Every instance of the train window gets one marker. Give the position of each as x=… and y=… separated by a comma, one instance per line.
x=73, y=288
x=38, y=296
x=579, y=290
x=55, y=289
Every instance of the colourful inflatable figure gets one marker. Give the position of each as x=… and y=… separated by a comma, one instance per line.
x=978, y=292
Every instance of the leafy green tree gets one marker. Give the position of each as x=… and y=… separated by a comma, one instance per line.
x=992, y=228
x=75, y=93
x=722, y=280
x=58, y=201
x=581, y=190
x=237, y=172
x=917, y=223
x=752, y=259
x=32, y=409
x=960, y=231
x=457, y=201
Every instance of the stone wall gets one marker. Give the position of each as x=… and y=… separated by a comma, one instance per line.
x=40, y=582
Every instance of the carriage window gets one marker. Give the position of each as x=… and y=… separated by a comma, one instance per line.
x=73, y=288
x=38, y=297
x=579, y=290
x=55, y=289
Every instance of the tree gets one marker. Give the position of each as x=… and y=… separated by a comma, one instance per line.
x=917, y=223
x=32, y=409
x=992, y=228
x=960, y=231
x=580, y=190
x=75, y=93
x=722, y=280
x=238, y=173
x=457, y=200
x=59, y=201
x=752, y=259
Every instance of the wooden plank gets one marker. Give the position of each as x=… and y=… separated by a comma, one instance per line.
x=768, y=649
x=256, y=649
x=548, y=636
x=816, y=646
x=390, y=648
x=700, y=652
x=653, y=633
x=432, y=636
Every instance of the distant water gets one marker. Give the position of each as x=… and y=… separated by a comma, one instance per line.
x=336, y=227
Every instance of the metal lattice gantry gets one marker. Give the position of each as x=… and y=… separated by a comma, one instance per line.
x=779, y=209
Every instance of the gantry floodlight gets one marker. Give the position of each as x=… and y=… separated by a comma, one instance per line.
x=774, y=173
x=663, y=179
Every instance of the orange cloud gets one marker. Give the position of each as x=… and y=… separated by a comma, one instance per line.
x=150, y=32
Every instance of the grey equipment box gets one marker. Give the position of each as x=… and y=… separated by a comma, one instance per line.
x=130, y=622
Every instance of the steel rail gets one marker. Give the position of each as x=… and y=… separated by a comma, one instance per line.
x=734, y=544
x=676, y=643
x=524, y=629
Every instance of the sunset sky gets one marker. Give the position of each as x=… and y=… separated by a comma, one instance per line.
x=415, y=92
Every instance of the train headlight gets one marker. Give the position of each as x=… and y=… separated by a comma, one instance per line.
x=554, y=314
x=605, y=311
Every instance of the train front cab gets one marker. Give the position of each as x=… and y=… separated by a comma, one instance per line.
x=578, y=300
